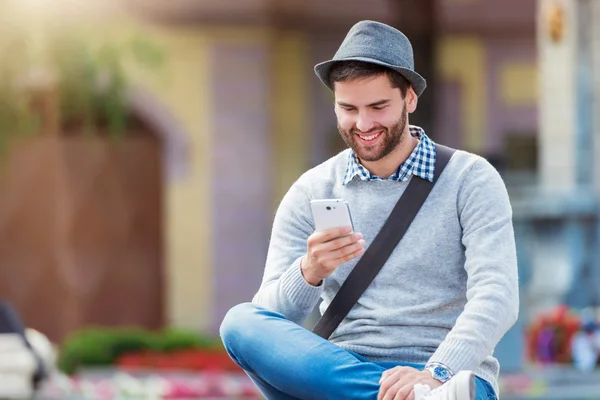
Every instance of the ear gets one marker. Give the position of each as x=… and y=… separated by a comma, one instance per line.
x=411, y=100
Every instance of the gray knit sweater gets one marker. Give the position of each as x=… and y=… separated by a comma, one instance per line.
x=449, y=291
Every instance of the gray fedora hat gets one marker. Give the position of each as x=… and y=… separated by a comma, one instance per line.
x=376, y=43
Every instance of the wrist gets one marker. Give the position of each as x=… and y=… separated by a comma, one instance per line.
x=307, y=277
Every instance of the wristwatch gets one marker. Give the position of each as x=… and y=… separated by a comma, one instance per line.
x=439, y=372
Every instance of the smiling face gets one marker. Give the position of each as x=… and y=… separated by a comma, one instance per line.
x=372, y=116
x=372, y=104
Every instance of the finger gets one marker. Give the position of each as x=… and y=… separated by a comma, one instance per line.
x=396, y=373
x=388, y=382
x=344, y=241
x=338, y=248
x=387, y=373
x=330, y=234
x=347, y=249
x=383, y=388
x=391, y=393
x=383, y=391
x=405, y=393
x=400, y=380
x=351, y=256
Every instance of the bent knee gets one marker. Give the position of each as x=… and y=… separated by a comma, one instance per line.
x=236, y=320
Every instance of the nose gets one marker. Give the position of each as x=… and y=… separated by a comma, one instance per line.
x=364, y=123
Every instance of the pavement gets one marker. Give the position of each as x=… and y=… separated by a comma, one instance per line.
x=549, y=383
x=109, y=384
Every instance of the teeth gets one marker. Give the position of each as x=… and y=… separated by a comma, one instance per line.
x=369, y=137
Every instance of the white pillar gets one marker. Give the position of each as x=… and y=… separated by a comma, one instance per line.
x=595, y=63
x=557, y=61
x=566, y=57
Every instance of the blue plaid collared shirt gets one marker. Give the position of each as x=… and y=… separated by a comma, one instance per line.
x=421, y=162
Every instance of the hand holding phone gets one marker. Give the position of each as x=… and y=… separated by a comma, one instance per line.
x=333, y=242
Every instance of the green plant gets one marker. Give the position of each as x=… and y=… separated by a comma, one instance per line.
x=17, y=118
x=171, y=340
x=89, y=85
x=99, y=346
x=92, y=83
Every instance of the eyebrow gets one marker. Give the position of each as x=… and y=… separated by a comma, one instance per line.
x=375, y=104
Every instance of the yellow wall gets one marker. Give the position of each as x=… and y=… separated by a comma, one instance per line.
x=462, y=59
x=188, y=241
x=518, y=84
x=291, y=126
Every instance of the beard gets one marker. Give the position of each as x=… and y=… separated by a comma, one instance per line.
x=391, y=138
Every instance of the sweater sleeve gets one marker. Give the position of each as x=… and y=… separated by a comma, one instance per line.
x=491, y=264
x=283, y=287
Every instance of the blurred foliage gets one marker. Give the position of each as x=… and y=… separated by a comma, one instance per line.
x=92, y=84
x=103, y=346
x=16, y=116
x=89, y=82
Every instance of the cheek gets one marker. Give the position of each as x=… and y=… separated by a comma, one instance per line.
x=347, y=122
x=388, y=119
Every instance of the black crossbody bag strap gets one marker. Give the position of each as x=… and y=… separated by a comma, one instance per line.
x=382, y=247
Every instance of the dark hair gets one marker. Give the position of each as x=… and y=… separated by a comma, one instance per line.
x=344, y=71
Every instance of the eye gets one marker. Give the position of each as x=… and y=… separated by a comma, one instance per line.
x=379, y=108
x=348, y=108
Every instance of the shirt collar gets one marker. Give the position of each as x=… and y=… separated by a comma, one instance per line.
x=421, y=162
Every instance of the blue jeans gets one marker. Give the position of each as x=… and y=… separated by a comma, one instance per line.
x=288, y=362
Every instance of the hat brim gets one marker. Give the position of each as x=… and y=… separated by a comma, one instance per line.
x=417, y=81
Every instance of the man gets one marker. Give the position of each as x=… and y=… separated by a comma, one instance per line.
x=429, y=321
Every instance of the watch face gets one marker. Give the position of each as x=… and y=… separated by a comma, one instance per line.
x=441, y=373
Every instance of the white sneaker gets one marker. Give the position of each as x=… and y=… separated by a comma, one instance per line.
x=460, y=387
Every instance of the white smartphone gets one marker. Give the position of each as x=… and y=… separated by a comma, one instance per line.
x=330, y=213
